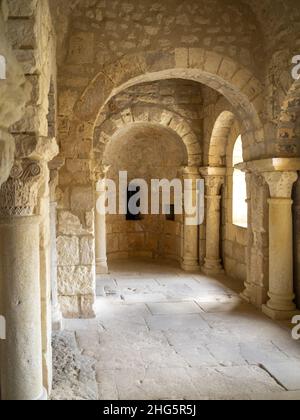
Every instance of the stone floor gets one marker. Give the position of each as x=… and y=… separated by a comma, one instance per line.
x=161, y=333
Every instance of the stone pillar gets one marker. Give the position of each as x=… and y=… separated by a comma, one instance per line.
x=214, y=179
x=257, y=257
x=21, y=352
x=281, y=304
x=100, y=230
x=190, y=252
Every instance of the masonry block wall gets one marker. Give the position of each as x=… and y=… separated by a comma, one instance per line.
x=31, y=35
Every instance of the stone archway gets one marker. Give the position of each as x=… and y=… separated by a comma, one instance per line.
x=219, y=139
x=146, y=151
x=218, y=181
x=142, y=113
x=222, y=74
x=240, y=87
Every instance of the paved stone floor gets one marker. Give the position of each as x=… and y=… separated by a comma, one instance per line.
x=161, y=333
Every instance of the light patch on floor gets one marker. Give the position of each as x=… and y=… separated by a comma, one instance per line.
x=161, y=333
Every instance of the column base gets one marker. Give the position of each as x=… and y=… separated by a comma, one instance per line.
x=277, y=315
x=246, y=295
x=101, y=267
x=212, y=267
x=190, y=267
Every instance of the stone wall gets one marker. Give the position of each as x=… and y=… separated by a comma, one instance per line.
x=31, y=35
x=76, y=255
x=153, y=237
x=235, y=251
x=14, y=92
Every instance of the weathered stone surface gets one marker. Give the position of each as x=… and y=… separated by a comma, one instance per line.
x=87, y=251
x=69, y=224
x=14, y=93
x=73, y=373
x=7, y=148
x=18, y=195
x=70, y=306
x=81, y=198
x=76, y=281
x=68, y=251
x=19, y=8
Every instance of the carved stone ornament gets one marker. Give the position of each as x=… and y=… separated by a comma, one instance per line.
x=213, y=184
x=18, y=195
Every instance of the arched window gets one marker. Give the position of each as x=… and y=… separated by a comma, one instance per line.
x=239, y=191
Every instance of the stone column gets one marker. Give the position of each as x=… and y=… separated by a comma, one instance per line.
x=281, y=304
x=190, y=252
x=21, y=352
x=100, y=230
x=214, y=179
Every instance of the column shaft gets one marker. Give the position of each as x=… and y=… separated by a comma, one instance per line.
x=214, y=179
x=100, y=231
x=21, y=352
x=190, y=248
x=190, y=252
x=281, y=258
x=213, y=225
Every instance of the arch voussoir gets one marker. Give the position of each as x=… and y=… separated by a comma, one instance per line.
x=152, y=115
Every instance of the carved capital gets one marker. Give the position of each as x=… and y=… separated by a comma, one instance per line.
x=213, y=184
x=214, y=179
x=18, y=195
x=280, y=183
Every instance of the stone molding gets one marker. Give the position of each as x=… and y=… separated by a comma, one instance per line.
x=18, y=195
x=190, y=172
x=270, y=165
